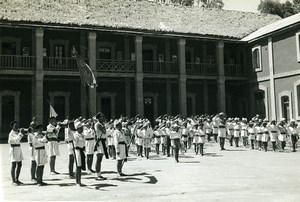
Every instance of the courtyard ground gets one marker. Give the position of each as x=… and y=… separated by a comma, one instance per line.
x=236, y=174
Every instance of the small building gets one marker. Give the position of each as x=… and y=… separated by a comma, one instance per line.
x=149, y=59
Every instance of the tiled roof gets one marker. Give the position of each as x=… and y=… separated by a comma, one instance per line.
x=135, y=16
x=278, y=25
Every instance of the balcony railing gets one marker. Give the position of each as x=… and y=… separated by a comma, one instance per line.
x=155, y=67
x=60, y=64
x=125, y=66
x=17, y=62
x=235, y=70
x=202, y=69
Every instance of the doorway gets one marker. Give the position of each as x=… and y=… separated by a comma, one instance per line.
x=8, y=112
x=106, y=107
x=149, y=108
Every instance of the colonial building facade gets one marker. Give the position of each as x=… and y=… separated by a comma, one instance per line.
x=194, y=67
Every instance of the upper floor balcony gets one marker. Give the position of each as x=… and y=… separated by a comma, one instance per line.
x=17, y=62
x=69, y=64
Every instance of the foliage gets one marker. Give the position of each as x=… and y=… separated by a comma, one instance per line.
x=284, y=10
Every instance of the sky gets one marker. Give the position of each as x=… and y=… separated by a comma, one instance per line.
x=243, y=5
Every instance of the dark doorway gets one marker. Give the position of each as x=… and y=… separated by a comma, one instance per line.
x=148, y=55
x=189, y=103
x=242, y=108
x=8, y=112
x=106, y=107
x=260, y=108
x=59, y=107
x=9, y=48
x=149, y=108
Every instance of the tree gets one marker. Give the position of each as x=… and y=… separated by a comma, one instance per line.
x=212, y=4
x=282, y=9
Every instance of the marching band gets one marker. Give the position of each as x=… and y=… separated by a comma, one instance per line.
x=113, y=139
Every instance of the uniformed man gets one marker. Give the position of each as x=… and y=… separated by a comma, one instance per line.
x=265, y=135
x=259, y=133
x=221, y=123
x=208, y=128
x=157, y=138
x=201, y=139
x=69, y=138
x=31, y=153
x=120, y=145
x=252, y=133
x=39, y=142
x=163, y=139
x=215, y=128
x=175, y=136
x=195, y=134
x=89, y=135
x=184, y=135
x=15, y=151
x=236, y=131
x=147, y=135
x=52, y=136
x=244, y=132
x=230, y=130
x=110, y=141
x=79, y=143
x=100, y=145
x=282, y=137
x=293, y=134
x=274, y=132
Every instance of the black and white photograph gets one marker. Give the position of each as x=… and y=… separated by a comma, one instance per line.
x=150, y=100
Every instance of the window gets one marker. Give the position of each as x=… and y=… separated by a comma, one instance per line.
x=256, y=58
x=298, y=99
x=298, y=45
x=105, y=53
x=285, y=107
x=260, y=108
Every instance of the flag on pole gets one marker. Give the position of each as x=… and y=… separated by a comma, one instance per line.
x=86, y=73
x=52, y=112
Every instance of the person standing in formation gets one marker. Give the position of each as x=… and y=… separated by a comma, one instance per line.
x=30, y=137
x=120, y=145
x=195, y=134
x=39, y=141
x=293, y=134
x=201, y=140
x=140, y=140
x=236, y=132
x=229, y=126
x=110, y=141
x=184, y=135
x=100, y=146
x=282, y=133
x=89, y=135
x=147, y=135
x=52, y=136
x=168, y=142
x=259, y=134
x=175, y=136
x=15, y=152
x=273, y=131
x=208, y=129
x=244, y=132
x=157, y=138
x=79, y=143
x=215, y=127
x=220, y=122
x=163, y=139
x=69, y=138
x=265, y=135
x=252, y=132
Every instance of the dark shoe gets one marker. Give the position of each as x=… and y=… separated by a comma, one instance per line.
x=100, y=178
x=19, y=183
x=71, y=177
x=57, y=173
x=93, y=171
x=44, y=184
x=34, y=180
x=122, y=174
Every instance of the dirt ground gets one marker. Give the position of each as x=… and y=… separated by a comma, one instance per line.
x=236, y=174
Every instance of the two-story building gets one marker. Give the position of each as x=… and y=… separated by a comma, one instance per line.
x=274, y=88
x=149, y=59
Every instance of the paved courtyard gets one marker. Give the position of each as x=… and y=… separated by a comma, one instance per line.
x=236, y=174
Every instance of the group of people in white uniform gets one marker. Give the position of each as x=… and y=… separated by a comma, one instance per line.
x=113, y=139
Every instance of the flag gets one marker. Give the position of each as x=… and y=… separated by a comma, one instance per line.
x=52, y=112
x=86, y=73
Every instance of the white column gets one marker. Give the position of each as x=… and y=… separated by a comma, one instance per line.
x=139, y=76
x=92, y=62
x=272, y=84
x=37, y=79
x=221, y=99
x=182, y=77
